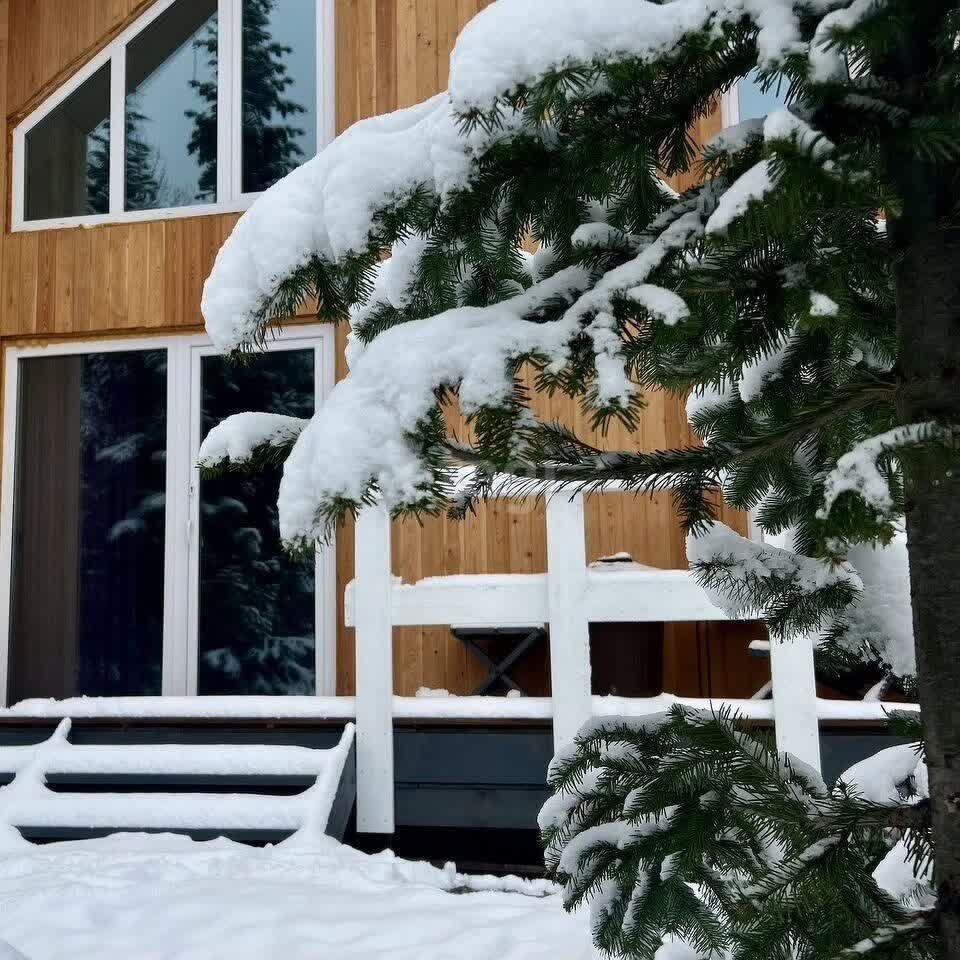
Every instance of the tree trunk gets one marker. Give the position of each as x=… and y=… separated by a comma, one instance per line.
x=928, y=314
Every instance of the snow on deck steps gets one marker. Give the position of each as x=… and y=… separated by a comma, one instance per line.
x=28, y=804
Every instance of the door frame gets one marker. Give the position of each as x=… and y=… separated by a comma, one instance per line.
x=182, y=508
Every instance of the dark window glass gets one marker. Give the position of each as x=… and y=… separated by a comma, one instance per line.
x=279, y=72
x=257, y=615
x=68, y=155
x=755, y=102
x=89, y=526
x=171, y=109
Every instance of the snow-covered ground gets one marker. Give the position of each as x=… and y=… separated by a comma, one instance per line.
x=168, y=898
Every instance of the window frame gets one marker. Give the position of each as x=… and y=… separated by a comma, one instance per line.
x=181, y=535
x=730, y=106
x=230, y=198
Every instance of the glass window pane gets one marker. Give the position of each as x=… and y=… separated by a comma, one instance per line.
x=171, y=109
x=755, y=102
x=257, y=614
x=68, y=155
x=87, y=595
x=279, y=89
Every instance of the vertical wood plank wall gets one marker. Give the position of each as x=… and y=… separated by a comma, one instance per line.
x=138, y=278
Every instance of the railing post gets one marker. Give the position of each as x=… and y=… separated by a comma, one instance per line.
x=794, y=687
x=567, y=604
x=372, y=593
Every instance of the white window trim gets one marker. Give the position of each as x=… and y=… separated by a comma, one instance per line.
x=229, y=133
x=181, y=540
x=730, y=106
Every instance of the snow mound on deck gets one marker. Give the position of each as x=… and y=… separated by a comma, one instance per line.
x=161, y=897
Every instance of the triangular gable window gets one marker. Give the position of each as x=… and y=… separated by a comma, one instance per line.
x=198, y=106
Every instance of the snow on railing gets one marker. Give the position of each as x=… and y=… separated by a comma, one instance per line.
x=567, y=598
x=27, y=802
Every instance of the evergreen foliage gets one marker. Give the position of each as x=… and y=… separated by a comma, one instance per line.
x=772, y=294
x=687, y=827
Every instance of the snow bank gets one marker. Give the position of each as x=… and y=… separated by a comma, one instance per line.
x=165, y=897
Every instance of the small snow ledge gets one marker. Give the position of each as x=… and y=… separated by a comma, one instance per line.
x=752, y=187
x=237, y=438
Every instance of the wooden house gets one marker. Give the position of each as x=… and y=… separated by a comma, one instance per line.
x=137, y=131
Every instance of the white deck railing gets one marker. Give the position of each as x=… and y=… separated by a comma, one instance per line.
x=566, y=599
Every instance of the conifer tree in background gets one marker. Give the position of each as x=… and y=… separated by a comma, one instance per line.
x=270, y=137
x=146, y=182
x=807, y=296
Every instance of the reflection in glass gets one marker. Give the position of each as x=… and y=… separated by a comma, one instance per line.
x=171, y=109
x=257, y=616
x=88, y=583
x=68, y=155
x=279, y=89
x=755, y=102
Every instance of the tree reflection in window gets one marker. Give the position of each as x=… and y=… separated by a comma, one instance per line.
x=257, y=604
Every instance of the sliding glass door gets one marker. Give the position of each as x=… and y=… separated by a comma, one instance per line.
x=256, y=616
x=89, y=530
x=129, y=576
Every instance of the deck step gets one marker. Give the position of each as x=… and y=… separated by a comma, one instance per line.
x=55, y=789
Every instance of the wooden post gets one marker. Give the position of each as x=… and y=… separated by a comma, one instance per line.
x=795, y=698
x=567, y=605
x=372, y=592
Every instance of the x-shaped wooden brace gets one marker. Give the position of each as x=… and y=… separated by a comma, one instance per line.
x=498, y=669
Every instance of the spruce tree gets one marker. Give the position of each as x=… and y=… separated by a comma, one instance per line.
x=805, y=295
x=270, y=136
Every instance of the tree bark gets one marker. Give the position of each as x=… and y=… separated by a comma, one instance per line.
x=926, y=238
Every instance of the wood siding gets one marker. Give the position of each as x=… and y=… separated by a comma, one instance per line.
x=144, y=277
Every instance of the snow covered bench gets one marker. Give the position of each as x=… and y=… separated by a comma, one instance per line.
x=59, y=790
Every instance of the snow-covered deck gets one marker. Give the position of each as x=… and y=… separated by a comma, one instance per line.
x=433, y=708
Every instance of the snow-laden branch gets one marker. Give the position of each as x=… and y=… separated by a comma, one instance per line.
x=513, y=43
x=360, y=435
x=744, y=563
x=889, y=777
x=239, y=438
x=326, y=209
x=858, y=470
